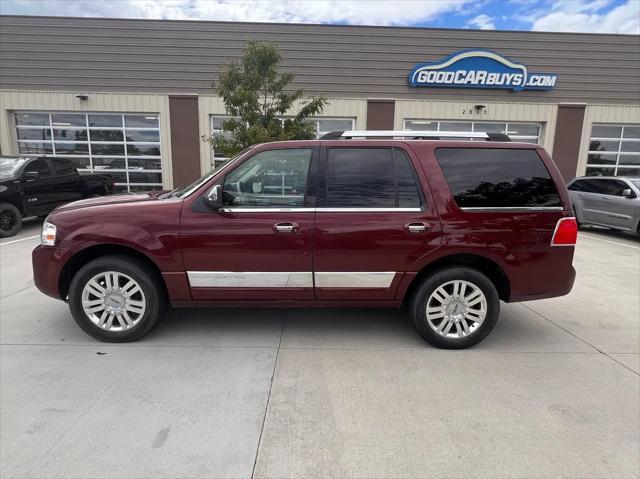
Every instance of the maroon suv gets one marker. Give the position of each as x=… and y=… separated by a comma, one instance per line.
x=447, y=227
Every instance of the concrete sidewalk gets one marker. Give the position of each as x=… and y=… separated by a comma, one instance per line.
x=554, y=391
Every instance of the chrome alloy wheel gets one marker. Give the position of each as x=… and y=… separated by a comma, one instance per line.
x=456, y=309
x=113, y=301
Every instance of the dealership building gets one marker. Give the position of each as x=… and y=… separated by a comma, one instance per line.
x=135, y=97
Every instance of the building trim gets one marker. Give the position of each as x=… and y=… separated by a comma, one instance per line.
x=566, y=150
x=184, y=138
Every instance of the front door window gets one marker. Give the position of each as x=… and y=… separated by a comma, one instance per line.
x=270, y=179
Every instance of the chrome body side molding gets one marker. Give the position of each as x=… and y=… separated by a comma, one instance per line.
x=513, y=208
x=362, y=279
x=321, y=210
x=287, y=279
x=253, y=279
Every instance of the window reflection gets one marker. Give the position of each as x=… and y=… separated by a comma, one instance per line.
x=497, y=178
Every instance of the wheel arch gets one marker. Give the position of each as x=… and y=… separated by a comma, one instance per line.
x=82, y=257
x=483, y=264
x=16, y=201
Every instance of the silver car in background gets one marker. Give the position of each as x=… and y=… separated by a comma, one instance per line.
x=610, y=201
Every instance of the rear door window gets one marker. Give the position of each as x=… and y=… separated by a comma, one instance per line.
x=360, y=178
x=577, y=185
x=63, y=167
x=406, y=183
x=591, y=185
x=498, y=178
x=370, y=178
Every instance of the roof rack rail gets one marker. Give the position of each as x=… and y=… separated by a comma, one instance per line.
x=332, y=135
x=414, y=135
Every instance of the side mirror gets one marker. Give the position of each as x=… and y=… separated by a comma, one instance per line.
x=213, y=198
x=31, y=175
x=628, y=193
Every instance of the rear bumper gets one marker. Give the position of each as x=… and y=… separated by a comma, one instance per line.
x=559, y=290
x=47, y=266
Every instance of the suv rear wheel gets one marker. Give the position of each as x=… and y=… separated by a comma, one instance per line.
x=116, y=298
x=455, y=308
x=10, y=220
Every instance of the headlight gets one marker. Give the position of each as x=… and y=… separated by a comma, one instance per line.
x=48, y=237
x=3, y=188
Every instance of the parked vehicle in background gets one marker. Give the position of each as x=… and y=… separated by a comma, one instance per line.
x=448, y=228
x=611, y=201
x=36, y=186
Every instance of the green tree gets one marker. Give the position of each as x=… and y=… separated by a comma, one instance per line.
x=255, y=96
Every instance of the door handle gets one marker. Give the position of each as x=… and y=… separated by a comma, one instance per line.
x=416, y=227
x=286, y=227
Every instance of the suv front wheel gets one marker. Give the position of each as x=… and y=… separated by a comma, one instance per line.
x=116, y=298
x=455, y=308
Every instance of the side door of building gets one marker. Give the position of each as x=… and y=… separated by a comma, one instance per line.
x=66, y=183
x=259, y=246
x=36, y=185
x=619, y=208
x=374, y=222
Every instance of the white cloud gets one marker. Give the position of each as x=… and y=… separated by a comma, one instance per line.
x=483, y=22
x=587, y=17
x=355, y=12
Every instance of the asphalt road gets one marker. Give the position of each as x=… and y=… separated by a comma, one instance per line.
x=553, y=392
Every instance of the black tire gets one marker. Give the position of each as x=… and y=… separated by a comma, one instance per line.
x=575, y=215
x=150, y=284
x=10, y=220
x=418, y=307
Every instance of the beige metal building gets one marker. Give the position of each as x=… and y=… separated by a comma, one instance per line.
x=134, y=97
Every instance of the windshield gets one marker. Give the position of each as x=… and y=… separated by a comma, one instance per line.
x=184, y=191
x=10, y=166
x=636, y=182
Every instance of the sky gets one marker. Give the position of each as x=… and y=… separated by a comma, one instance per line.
x=596, y=16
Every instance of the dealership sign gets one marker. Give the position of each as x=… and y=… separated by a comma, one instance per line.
x=479, y=69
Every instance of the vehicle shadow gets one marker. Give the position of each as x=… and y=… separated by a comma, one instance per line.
x=518, y=329
x=606, y=233
x=30, y=227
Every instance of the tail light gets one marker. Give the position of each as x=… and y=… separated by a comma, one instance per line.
x=566, y=232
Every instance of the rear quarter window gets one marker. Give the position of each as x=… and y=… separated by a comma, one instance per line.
x=63, y=167
x=497, y=178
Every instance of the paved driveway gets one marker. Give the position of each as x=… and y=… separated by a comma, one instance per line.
x=553, y=392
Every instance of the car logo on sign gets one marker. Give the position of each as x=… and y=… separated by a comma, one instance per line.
x=479, y=69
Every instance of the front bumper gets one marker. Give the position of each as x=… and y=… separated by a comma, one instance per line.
x=47, y=266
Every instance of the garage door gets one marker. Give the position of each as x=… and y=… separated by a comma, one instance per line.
x=127, y=146
x=614, y=150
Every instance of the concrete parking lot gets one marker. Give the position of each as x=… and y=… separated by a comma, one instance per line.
x=230, y=393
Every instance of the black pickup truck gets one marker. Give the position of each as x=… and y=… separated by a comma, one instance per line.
x=35, y=186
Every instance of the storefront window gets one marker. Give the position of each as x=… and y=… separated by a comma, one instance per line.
x=614, y=150
x=127, y=146
x=321, y=125
x=517, y=131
